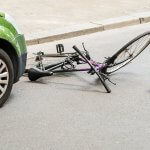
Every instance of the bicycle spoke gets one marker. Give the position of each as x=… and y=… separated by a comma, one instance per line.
x=133, y=49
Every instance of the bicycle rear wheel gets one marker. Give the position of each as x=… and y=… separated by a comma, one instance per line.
x=127, y=53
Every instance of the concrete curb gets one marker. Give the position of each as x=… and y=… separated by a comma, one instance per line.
x=88, y=28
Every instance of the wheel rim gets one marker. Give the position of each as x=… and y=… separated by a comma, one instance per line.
x=129, y=53
x=4, y=77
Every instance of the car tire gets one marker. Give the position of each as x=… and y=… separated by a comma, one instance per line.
x=6, y=76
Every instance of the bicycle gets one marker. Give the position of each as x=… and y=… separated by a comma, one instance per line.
x=117, y=61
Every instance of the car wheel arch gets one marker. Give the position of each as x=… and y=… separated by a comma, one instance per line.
x=10, y=50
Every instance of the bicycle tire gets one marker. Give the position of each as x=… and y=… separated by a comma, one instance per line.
x=112, y=66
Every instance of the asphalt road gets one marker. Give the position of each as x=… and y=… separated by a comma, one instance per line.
x=73, y=112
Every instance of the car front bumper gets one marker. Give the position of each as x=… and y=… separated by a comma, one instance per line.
x=22, y=56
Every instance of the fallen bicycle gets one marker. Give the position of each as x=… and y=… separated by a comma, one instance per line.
x=72, y=60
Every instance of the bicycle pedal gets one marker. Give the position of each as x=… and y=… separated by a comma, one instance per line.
x=60, y=48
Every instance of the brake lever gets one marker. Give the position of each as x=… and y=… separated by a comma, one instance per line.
x=87, y=53
x=107, y=78
x=111, y=81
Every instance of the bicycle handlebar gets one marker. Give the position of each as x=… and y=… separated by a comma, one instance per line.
x=98, y=74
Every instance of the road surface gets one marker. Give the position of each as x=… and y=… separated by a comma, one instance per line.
x=73, y=112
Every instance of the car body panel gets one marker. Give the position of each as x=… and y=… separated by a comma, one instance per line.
x=10, y=33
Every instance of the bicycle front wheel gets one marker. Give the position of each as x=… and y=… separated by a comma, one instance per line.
x=128, y=52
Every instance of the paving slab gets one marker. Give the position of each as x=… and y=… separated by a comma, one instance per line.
x=38, y=16
x=88, y=28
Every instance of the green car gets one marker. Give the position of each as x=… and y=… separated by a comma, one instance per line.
x=13, y=55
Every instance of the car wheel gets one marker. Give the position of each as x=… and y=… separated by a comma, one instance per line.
x=6, y=76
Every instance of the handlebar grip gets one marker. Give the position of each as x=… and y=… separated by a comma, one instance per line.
x=86, y=54
x=77, y=50
x=80, y=53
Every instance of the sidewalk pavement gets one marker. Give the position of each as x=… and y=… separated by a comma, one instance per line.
x=87, y=28
x=49, y=18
